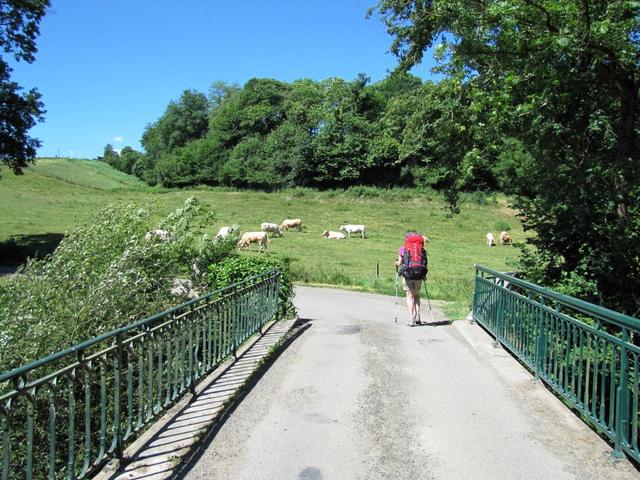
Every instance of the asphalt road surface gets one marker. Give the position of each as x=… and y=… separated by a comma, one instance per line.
x=358, y=396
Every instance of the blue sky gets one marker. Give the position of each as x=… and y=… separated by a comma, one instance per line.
x=107, y=68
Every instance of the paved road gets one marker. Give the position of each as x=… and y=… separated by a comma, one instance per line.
x=357, y=396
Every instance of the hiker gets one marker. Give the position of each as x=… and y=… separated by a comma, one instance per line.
x=411, y=265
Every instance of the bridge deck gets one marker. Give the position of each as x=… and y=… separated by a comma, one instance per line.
x=358, y=396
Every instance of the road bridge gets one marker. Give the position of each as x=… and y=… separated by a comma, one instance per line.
x=358, y=396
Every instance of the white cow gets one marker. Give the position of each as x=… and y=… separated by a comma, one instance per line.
x=349, y=229
x=274, y=228
x=224, y=232
x=333, y=235
x=490, y=241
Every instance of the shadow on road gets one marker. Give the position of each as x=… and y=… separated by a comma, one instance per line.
x=436, y=324
x=181, y=470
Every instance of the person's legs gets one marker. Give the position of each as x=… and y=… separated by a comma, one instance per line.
x=412, y=290
x=416, y=300
x=411, y=305
x=411, y=308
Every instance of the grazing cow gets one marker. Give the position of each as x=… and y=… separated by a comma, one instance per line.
x=490, y=241
x=162, y=235
x=353, y=229
x=333, y=235
x=248, y=238
x=505, y=239
x=224, y=232
x=291, y=223
x=271, y=227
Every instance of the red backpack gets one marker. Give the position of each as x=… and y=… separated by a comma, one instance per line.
x=414, y=258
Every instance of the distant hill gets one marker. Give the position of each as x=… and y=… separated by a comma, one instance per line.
x=85, y=173
x=51, y=197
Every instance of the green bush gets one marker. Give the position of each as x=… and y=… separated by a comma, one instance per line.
x=101, y=276
x=502, y=226
x=479, y=197
x=240, y=267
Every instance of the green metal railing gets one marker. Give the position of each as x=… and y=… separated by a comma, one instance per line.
x=66, y=415
x=584, y=352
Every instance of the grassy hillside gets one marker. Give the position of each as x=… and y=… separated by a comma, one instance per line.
x=56, y=194
x=51, y=197
x=84, y=173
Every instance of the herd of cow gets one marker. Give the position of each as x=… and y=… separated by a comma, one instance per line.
x=505, y=239
x=262, y=237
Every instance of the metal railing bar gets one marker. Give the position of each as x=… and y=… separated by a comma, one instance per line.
x=579, y=305
x=20, y=371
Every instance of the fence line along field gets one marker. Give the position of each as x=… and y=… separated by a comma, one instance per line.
x=56, y=194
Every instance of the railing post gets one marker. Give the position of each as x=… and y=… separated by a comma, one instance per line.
x=474, y=301
x=116, y=406
x=276, y=294
x=500, y=319
x=540, y=340
x=5, y=423
x=192, y=376
x=622, y=409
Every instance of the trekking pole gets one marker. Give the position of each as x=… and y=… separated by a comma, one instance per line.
x=426, y=294
x=395, y=311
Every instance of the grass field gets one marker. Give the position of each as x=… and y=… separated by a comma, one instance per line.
x=56, y=194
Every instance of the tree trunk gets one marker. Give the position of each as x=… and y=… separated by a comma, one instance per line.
x=626, y=147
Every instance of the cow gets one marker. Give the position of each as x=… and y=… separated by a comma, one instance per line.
x=349, y=229
x=248, y=238
x=333, y=235
x=291, y=223
x=224, y=232
x=490, y=241
x=274, y=228
x=505, y=239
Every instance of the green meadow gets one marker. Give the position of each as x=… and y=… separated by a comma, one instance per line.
x=56, y=194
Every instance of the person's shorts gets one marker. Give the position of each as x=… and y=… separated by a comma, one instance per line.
x=412, y=286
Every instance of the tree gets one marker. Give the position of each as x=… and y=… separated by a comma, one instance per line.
x=182, y=121
x=562, y=78
x=396, y=84
x=344, y=134
x=128, y=158
x=440, y=144
x=221, y=91
x=111, y=157
x=19, y=112
x=198, y=162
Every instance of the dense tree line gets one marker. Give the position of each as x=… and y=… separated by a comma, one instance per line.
x=333, y=133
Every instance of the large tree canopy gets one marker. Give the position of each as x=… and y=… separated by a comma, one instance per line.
x=561, y=77
x=19, y=111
